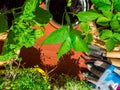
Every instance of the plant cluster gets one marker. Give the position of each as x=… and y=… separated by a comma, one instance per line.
x=21, y=32
x=65, y=82
x=22, y=79
x=106, y=15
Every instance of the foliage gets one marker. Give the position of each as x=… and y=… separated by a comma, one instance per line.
x=24, y=79
x=106, y=14
x=65, y=82
x=3, y=23
x=69, y=37
x=21, y=32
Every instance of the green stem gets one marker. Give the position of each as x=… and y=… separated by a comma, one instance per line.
x=12, y=10
x=112, y=8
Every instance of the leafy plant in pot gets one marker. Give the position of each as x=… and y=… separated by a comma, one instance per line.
x=22, y=31
x=67, y=35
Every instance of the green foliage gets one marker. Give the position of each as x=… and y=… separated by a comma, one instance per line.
x=69, y=37
x=65, y=82
x=88, y=16
x=20, y=33
x=42, y=16
x=57, y=36
x=107, y=17
x=3, y=23
x=25, y=79
x=69, y=3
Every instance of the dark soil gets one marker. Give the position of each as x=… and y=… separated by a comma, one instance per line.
x=57, y=9
x=10, y=4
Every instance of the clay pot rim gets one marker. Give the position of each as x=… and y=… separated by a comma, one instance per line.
x=85, y=3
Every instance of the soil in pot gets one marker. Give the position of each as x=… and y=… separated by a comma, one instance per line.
x=58, y=7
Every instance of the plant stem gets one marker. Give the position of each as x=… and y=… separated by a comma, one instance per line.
x=12, y=10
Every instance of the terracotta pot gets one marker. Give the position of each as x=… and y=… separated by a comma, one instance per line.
x=46, y=56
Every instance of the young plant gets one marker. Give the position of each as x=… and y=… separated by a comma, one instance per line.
x=21, y=33
x=106, y=15
x=68, y=36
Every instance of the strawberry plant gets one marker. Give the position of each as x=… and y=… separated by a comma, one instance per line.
x=21, y=33
x=106, y=15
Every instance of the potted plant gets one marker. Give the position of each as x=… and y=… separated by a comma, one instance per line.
x=22, y=31
x=66, y=17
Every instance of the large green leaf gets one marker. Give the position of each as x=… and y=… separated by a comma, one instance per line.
x=105, y=34
x=103, y=21
x=108, y=14
x=3, y=23
x=75, y=32
x=57, y=36
x=80, y=45
x=104, y=5
x=65, y=47
x=42, y=16
x=77, y=43
x=116, y=36
x=114, y=22
x=116, y=4
x=110, y=44
x=88, y=16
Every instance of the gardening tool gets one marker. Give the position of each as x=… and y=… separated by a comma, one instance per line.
x=112, y=57
x=107, y=75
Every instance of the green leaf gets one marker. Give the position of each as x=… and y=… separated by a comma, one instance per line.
x=42, y=16
x=116, y=36
x=85, y=27
x=117, y=30
x=116, y=4
x=77, y=43
x=104, y=5
x=110, y=44
x=103, y=21
x=57, y=36
x=80, y=45
x=65, y=47
x=88, y=39
x=88, y=16
x=108, y=14
x=105, y=34
x=69, y=3
x=75, y=32
x=114, y=22
x=3, y=24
